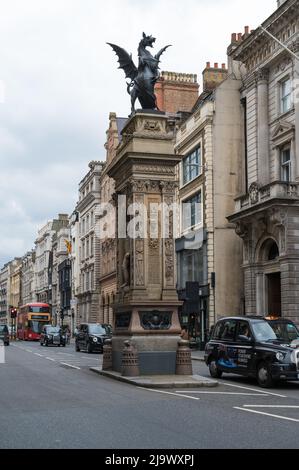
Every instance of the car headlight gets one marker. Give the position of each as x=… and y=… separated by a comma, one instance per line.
x=95, y=340
x=63, y=337
x=280, y=356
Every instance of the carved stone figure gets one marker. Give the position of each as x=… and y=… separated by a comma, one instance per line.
x=126, y=270
x=144, y=77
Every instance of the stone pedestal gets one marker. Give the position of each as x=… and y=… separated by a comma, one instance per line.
x=146, y=307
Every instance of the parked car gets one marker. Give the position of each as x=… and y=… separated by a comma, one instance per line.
x=52, y=335
x=4, y=334
x=91, y=337
x=249, y=346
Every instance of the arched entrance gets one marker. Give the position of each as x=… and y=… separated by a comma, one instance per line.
x=269, y=258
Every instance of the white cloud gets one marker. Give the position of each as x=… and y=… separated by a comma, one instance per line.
x=61, y=82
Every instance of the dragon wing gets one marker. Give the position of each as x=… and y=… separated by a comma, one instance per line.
x=125, y=61
x=157, y=56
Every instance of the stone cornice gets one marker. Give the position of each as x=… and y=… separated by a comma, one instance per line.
x=284, y=15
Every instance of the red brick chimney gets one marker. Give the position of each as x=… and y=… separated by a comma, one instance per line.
x=213, y=76
x=176, y=92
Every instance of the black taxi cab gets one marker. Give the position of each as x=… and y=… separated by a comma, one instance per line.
x=249, y=346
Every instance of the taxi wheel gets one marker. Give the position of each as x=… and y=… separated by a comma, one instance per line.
x=215, y=372
x=264, y=376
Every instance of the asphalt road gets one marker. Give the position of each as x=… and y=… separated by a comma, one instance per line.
x=49, y=399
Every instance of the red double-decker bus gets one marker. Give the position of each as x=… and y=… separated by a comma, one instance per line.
x=31, y=318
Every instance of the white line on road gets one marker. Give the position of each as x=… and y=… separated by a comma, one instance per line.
x=70, y=365
x=50, y=359
x=40, y=355
x=28, y=350
x=271, y=406
x=267, y=414
x=168, y=393
x=254, y=390
x=229, y=393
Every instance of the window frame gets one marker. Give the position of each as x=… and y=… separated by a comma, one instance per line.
x=287, y=164
x=285, y=97
x=197, y=223
x=197, y=152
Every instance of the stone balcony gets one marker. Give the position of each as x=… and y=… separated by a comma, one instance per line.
x=277, y=190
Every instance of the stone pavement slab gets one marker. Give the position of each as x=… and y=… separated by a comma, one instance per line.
x=159, y=381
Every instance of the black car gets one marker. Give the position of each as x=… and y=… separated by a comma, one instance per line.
x=91, y=337
x=4, y=334
x=249, y=346
x=52, y=335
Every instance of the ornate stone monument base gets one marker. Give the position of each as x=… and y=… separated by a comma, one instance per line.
x=156, y=347
x=146, y=306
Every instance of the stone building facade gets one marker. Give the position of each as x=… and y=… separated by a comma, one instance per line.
x=44, y=258
x=107, y=244
x=27, y=278
x=208, y=248
x=88, y=295
x=267, y=209
x=15, y=283
x=59, y=254
x=4, y=293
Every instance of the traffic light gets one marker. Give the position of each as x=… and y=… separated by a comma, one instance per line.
x=13, y=313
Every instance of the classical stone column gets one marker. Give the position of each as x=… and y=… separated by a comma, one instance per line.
x=263, y=127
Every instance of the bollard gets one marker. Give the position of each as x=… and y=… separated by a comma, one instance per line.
x=107, y=355
x=183, y=359
x=130, y=363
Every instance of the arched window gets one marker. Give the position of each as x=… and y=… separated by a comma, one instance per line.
x=269, y=250
x=273, y=252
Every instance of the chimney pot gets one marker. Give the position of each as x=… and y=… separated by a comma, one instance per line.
x=223, y=66
x=239, y=36
x=246, y=29
x=208, y=65
x=216, y=65
x=234, y=37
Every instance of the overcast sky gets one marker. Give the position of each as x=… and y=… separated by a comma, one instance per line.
x=61, y=81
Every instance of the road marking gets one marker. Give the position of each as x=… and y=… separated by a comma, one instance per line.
x=168, y=393
x=28, y=350
x=229, y=393
x=271, y=406
x=50, y=359
x=70, y=365
x=67, y=354
x=254, y=390
x=267, y=414
x=40, y=355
